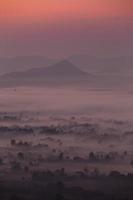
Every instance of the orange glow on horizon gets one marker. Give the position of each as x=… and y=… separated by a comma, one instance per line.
x=56, y=10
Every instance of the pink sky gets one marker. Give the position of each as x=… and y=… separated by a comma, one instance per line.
x=55, y=10
x=62, y=27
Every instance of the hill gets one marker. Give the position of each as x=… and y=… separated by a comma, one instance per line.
x=117, y=65
x=21, y=63
x=63, y=72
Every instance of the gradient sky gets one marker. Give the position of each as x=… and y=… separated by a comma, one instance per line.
x=63, y=27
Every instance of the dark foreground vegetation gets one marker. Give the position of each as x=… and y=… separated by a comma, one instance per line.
x=58, y=185
x=66, y=159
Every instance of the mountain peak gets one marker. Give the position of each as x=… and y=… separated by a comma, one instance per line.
x=65, y=63
x=61, y=72
x=65, y=67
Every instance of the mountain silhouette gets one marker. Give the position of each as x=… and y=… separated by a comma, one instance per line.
x=22, y=63
x=104, y=64
x=60, y=69
x=61, y=72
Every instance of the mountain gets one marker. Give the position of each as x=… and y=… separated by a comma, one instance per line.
x=118, y=65
x=63, y=69
x=63, y=72
x=21, y=63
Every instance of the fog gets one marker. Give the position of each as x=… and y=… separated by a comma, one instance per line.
x=79, y=136
x=100, y=103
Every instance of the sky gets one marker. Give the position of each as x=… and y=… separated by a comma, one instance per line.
x=63, y=27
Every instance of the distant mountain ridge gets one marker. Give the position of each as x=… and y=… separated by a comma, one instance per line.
x=21, y=63
x=104, y=64
x=62, y=72
x=63, y=68
x=65, y=73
